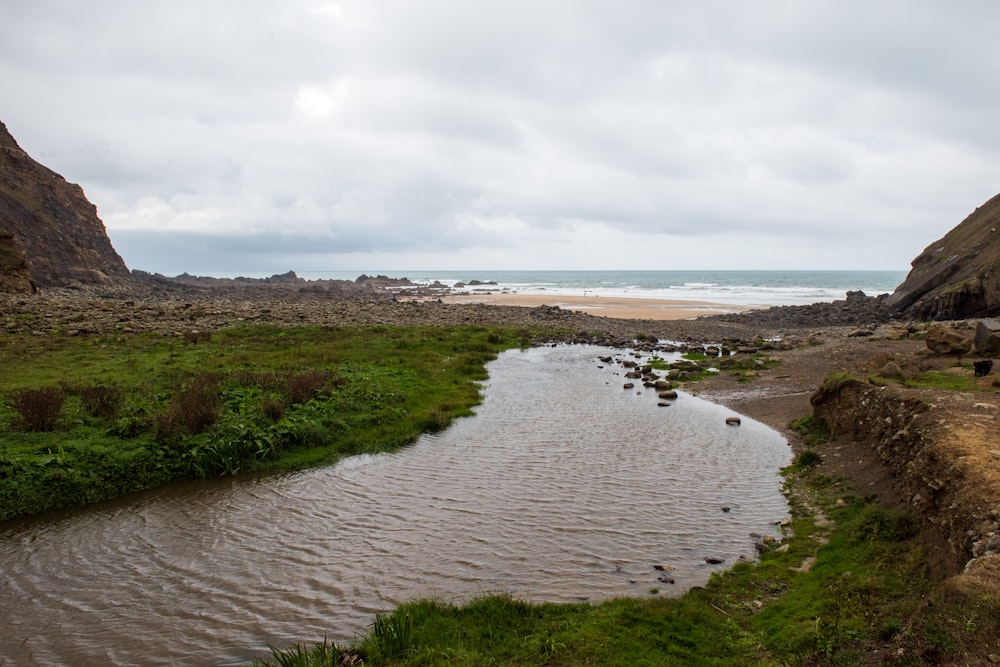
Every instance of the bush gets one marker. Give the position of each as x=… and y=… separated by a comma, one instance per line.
x=303, y=386
x=273, y=408
x=37, y=409
x=102, y=402
x=193, y=408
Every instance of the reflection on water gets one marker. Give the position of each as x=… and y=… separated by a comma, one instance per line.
x=564, y=487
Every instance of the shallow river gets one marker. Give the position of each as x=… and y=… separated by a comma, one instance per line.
x=563, y=487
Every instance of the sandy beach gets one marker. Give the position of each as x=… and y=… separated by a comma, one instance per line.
x=605, y=306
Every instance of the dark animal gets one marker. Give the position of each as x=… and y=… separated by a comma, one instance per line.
x=982, y=368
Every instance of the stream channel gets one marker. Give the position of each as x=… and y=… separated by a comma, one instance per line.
x=563, y=487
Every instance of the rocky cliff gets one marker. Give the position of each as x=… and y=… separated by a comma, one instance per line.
x=958, y=276
x=50, y=235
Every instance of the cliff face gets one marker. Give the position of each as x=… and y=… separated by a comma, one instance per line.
x=50, y=235
x=958, y=276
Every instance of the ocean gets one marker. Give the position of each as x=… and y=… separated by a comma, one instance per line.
x=744, y=288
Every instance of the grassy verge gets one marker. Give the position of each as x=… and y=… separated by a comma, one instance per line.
x=847, y=586
x=86, y=419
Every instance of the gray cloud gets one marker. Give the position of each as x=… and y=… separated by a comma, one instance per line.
x=310, y=134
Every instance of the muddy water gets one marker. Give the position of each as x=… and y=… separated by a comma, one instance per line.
x=564, y=487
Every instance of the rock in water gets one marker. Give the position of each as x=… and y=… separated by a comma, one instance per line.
x=51, y=235
x=957, y=277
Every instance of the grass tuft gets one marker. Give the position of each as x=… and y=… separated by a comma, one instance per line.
x=813, y=430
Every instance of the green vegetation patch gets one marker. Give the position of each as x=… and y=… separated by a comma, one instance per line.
x=86, y=419
x=957, y=378
x=813, y=431
x=694, y=366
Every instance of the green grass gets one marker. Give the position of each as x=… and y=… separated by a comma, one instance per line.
x=813, y=430
x=866, y=594
x=949, y=381
x=139, y=411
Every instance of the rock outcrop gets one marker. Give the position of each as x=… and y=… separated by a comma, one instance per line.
x=50, y=235
x=957, y=277
x=14, y=274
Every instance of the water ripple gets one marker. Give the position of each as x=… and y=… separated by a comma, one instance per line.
x=564, y=487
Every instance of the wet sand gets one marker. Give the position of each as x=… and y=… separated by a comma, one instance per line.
x=605, y=306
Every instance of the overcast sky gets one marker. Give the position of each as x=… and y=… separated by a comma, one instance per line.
x=255, y=136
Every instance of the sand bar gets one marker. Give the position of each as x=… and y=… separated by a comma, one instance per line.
x=604, y=306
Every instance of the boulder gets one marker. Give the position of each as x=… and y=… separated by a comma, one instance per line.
x=988, y=337
x=897, y=333
x=892, y=371
x=947, y=340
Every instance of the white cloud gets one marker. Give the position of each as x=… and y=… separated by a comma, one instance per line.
x=520, y=135
x=321, y=100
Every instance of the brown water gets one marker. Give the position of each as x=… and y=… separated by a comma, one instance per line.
x=564, y=487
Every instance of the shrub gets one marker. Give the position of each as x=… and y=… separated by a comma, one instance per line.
x=37, y=409
x=192, y=409
x=272, y=407
x=102, y=402
x=305, y=385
